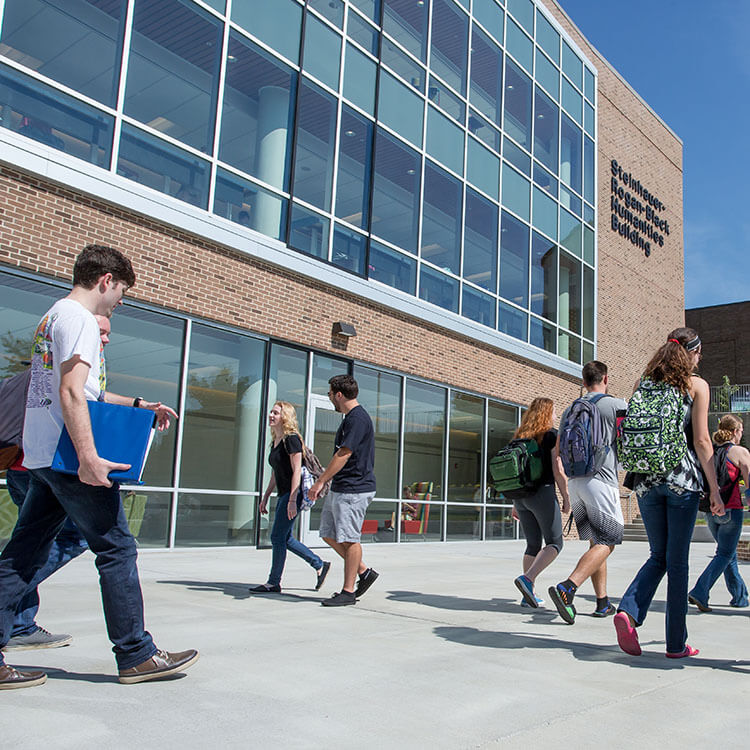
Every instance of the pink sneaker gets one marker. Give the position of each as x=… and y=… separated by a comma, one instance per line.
x=689, y=651
x=627, y=638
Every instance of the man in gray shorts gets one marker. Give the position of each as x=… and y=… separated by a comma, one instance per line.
x=595, y=502
x=352, y=489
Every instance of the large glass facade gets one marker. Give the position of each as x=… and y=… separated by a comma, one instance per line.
x=370, y=135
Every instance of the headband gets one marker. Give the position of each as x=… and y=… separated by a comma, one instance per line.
x=690, y=345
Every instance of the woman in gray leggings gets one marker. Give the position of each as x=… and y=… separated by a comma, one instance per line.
x=539, y=512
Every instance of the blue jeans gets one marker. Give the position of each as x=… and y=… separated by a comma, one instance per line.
x=98, y=513
x=282, y=540
x=67, y=545
x=669, y=519
x=724, y=561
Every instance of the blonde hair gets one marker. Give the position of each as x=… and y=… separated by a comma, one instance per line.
x=289, y=424
x=536, y=420
x=727, y=425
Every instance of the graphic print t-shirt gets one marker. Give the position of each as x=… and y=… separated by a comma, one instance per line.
x=68, y=329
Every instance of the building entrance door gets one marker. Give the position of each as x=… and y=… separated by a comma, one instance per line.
x=322, y=422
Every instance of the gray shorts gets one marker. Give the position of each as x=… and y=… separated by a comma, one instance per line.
x=597, y=510
x=342, y=515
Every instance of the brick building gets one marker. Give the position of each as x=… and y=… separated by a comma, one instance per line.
x=470, y=186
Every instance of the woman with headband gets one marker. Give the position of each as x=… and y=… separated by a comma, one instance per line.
x=668, y=502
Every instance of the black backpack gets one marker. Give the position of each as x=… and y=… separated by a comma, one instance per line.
x=12, y=412
x=725, y=482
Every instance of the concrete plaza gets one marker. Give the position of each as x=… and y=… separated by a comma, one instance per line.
x=438, y=654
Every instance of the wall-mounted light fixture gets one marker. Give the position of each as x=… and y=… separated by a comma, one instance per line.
x=344, y=329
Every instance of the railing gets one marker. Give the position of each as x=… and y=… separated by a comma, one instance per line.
x=730, y=398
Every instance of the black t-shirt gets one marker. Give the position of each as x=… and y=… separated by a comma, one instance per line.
x=356, y=433
x=547, y=446
x=281, y=463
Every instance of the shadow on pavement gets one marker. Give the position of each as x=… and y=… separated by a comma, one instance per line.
x=241, y=590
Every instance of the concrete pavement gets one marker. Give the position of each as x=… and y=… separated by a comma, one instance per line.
x=438, y=654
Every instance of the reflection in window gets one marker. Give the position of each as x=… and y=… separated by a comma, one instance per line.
x=523, y=12
x=333, y=10
x=322, y=52
x=514, y=260
x=163, y=167
x=308, y=232
x=403, y=65
x=438, y=93
x=483, y=168
x=406, y=22
x=519, y=45
x=512, y=321
x=361, y=31
x=482, y=129
x=147, y=513
x=478, y=306
x=516, y=156
x=393, y=268
x=480, y=241
x=211, y=520
x=588, y=245
x=545, y=130
x=542, y=335
x=570, y=232
x=465, y=438
x=516, y=192
x=545, y=180
x=547, y=38
x=439, y=289
x=441, y=219
x=543, y=276
x=380, y=521
x=547, y=75
x=173, y=72
x=589, y=181
x=445, y=141
x=490, y=16
x=569, y=347
x=570, y=154
x=355, y=163
x=324, y=368
x=449, y=44
x=359, y=79
x=58, y=42
x=572, y=65
x=571, y=101
x=517, y=122
x=424, y=426
x=502, y=421
x=277, y=24
x=588, y=302
x=545, y=213
x=256, y=120
x=463, y=524
x=569, y=309
x=486, y=75
x=349, y=250
x=499, y=524
x=400, y=108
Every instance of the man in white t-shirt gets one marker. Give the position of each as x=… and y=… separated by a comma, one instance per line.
x=65, y=370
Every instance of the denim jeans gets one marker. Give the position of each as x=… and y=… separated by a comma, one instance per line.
x=67, y=545
x=282, y=540
x=669, y=519
x=724, y=561
x=98, y=513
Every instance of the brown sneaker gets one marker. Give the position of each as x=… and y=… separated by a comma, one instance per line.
x=11, y=678
x=161, y=664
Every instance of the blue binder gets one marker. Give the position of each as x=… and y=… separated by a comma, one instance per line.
x=121, y=433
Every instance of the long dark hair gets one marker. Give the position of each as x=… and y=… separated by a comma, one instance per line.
x=672, y=362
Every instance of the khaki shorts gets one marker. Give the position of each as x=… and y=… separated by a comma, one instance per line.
x=342, y=515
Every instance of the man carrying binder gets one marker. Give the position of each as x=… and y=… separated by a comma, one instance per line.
x=64, y=375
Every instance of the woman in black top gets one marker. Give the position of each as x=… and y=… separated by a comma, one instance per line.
x=286, y=460
x=539, y=513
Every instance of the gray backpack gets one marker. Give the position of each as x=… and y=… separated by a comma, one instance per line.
x=12, y=411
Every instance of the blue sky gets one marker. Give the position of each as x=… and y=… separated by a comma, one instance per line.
x=689, y=60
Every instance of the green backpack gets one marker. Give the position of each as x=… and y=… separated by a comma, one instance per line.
x=651, y=438
x=517, y=468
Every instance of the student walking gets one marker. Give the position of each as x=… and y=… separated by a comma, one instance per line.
x=726, y=529
x=352, y=489
x=539, y=512
x=668, y=484
x=286, y=460
x=65, y=373
x=587, y=447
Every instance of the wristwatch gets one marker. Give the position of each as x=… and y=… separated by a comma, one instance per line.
x=137, y=401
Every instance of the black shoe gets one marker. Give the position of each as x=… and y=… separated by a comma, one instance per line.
x=265, y=588
x=161, y=664
x=322, y=573
x=11, y=678
x=342, y=599
x=366, y=580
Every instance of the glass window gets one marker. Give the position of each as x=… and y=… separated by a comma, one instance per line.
x=424, y=426
x=512, y=321
x=441, y=219
x=482, y=129
x=438, y=288
x=588, y=245
x=355, y=164
x=588, y=302
x=212, y=520
x=313, y=158
x=400, y=108
x=324, y=368
x=478, y=306
x=257, y=115
x=543, y=277
x=449, y=44
x=570, y=232
x=379, y=525
x=514, y=260
x=406, y=22
x=163, y=167
x=490, y=16
x=144, y=357
x=570, y=154
x=250, y=205
x=465, y=438
x=588, y=214
x=219, y=5
x=516, y=156
x=308, y=232
x=569, y=308
x=516, y=192
x=278, y=24
x=545, y=130
x=569, y=346
x=545, y=213
x=349, y=250
x=570, y=200
x=486, y=92
x=54, y=119
x=547, y=38
x=173, y=71
x=438, y=93
x=404, y=65
x=519, y=45
x=363, y=33
x=79, y=48
x=445, y=141
x=222, y=424
x=499, y=524
x=571, y=100
x=380, y=394
x=589, y=84
x=482, y=168
x=148, y=513
x=572, y=65
x=542, y=335
x=480, y=241
x=589, y=118
x=371, y=8
x=393, y=268
x=587, y=352
x=463, y=524
x=523, y=12
x=359, y=79
x=287, y=381
x=322, y=52
x=589, y=179
x=502, y=421
x=333, y=10
x=547, y=75
x=395, y=200
x=517, y=106
x=545, y=180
